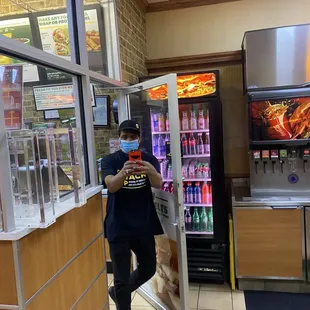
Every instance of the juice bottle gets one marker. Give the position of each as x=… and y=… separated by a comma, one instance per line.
x=161, y=122
x=204, y=193
x=198, y=170
x=209, y=194
x=167, y=122
x=200, y=144
x=193, y=120
x=192, y=145
x=184, y=144
x=206, y=171
x=185, y=123
x=185, y=171
x=197, y=193
x=201, y=120
x=203, y=220
x=189, y=193
x=188, y=220
x=195, y=220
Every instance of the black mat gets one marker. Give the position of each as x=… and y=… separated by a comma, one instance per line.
x=255, y=300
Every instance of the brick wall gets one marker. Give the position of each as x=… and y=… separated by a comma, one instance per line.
x=133, y=50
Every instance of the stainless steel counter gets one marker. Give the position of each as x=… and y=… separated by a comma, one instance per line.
x=241, y=197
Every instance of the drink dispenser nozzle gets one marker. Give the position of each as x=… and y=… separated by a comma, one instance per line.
x=292, y=157
x=283, y=158
x=256, y=156
x=305, y=156
x=274, y=156
x=265, y=158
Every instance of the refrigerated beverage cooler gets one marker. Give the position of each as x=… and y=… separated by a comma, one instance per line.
x=202, y=166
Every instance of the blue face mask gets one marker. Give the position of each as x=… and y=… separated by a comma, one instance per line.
x=128, y=146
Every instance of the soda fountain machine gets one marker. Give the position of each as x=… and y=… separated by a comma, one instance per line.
x=276, y=81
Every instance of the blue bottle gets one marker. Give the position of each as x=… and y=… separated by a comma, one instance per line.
x=189, y=193
x=197, y=193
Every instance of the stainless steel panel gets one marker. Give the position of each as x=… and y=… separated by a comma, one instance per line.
x=277, y=57
x=276, y=183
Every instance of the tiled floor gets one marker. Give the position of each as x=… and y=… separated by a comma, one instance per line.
x=201, y=297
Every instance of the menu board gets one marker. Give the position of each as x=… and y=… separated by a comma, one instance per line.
x=188, y=86
x=56, y=97
x=55, y=37
x=19, y=29
x=11, y=83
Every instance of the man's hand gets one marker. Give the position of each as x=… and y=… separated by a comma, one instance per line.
x=144, y=167
x=129, y=168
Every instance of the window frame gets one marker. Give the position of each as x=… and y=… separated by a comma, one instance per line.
x=78, y=68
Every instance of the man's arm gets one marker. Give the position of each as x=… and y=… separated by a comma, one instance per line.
x=115, y=182
x=155, y=179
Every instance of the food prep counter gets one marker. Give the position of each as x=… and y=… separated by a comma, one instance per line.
x=270, y=238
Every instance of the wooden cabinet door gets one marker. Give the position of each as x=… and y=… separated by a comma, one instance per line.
x=106, y=243
x=269, y=242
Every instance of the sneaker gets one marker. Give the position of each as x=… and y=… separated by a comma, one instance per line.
x=112, y=294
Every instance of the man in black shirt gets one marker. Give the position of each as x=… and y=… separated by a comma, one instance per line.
x=131, y=221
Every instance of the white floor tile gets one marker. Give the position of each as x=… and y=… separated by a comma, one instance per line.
x=238, y=300
x=140, y=301
x=215, y=287
x=193, y=299
x=194, y=286
x=215, y=300
x=110, y=279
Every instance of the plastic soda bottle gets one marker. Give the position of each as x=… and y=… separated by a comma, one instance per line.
x=210, y=193
x=201, y=120
x=210, y=220
x=154, y=121
x=184, y=144
x=184, y=194
x=188, y=220
x=193, y=120
x=203, y=220
x=192, y=145
x=207, y=145
x=197, y=193
x=167, y=122
x=161, y=122
x=171, y=189
x=200, y=144
x=185, y=123
x=169, y=171
x=204, y=193
x=161, y=146
x=189, y=193
x=166, y=187
x=195, y=220
x=155, y=145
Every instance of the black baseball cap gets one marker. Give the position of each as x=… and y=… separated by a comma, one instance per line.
x=129, y=125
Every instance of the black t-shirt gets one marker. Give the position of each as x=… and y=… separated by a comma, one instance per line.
x=130, y=211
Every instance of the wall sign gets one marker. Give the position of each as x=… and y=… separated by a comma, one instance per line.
x=56, y=97
x=19, y=29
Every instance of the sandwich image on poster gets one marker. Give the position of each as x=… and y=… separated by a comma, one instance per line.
x=163, y=288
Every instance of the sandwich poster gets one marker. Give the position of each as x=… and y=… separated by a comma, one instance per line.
x=19, y=30
x=164, y=286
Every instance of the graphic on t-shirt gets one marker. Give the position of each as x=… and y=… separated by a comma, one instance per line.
x=135, y=181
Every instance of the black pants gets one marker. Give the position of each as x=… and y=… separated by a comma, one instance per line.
x=124, y=282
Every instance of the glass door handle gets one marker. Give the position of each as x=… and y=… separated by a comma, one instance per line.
x=173, y=224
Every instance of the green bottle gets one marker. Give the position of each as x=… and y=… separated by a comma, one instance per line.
x=195, y=220
x=210, y=217
x=203, y=220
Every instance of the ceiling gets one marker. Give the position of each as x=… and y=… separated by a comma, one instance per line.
x=164, y=5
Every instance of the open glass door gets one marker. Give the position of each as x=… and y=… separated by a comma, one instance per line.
x=160, y=133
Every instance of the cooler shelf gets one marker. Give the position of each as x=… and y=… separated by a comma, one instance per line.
x=190, y=180
x=210, y=233
x=181, y=131
x=188, y=156
x=198, y=204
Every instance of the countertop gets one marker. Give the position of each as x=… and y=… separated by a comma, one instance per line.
x=241, y=197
